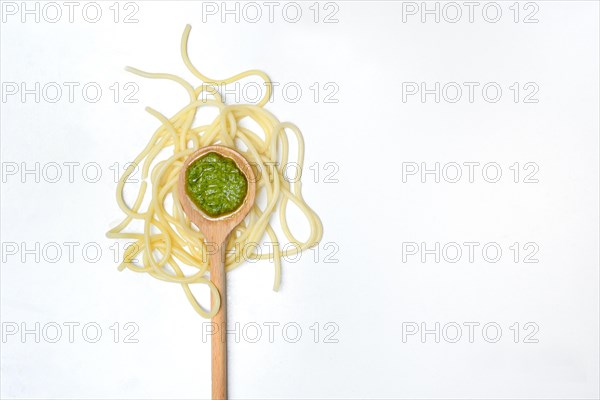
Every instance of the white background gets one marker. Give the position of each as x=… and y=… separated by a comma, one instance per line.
x=370, y=293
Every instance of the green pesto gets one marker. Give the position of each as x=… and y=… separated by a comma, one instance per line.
x=216, y=185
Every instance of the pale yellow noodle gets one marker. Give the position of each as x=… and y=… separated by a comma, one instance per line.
x=169, y=240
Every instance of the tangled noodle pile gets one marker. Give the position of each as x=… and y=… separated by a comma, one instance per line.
x=169, y=241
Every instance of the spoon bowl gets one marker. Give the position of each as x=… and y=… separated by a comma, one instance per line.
x=216, y=229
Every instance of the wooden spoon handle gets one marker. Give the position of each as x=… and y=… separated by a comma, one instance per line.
x=219, y=337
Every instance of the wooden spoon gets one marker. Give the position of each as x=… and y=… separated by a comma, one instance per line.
x=215, y=231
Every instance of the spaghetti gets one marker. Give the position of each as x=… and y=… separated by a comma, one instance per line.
x=169, y=241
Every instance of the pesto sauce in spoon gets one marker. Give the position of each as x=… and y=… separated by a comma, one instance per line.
x=216, y=185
